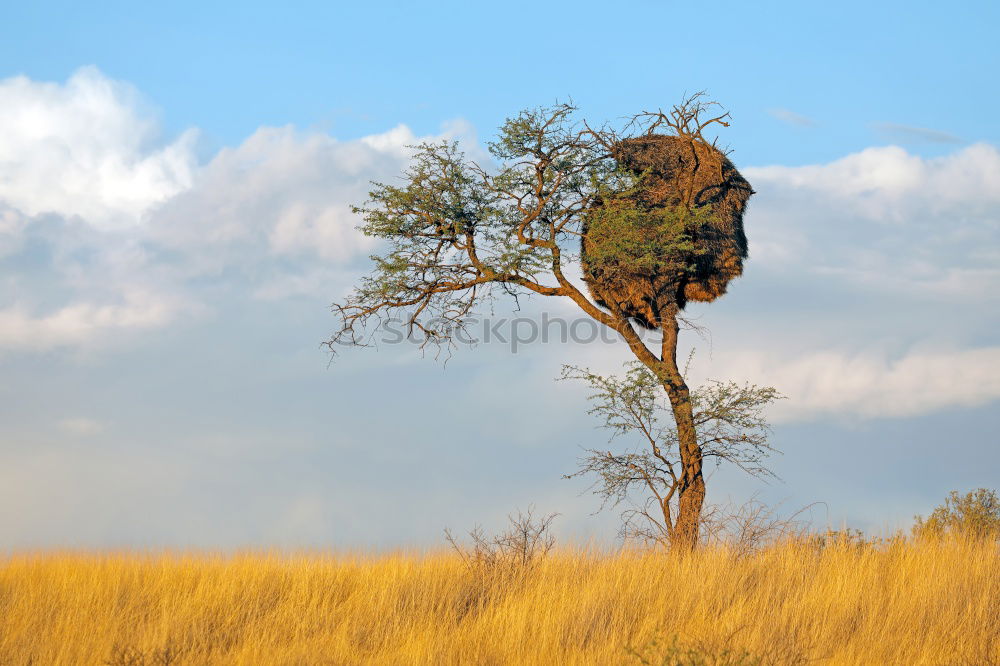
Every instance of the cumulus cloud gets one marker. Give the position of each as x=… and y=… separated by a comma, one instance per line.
x=124, y=234
x=94, y=212
x=281, y=192
x=866, y=384
x=86, y=148
x=872, y=286
x=871, y=293
x=889, y=182
x=276, y=210
x=885, y=218
x=288, y=193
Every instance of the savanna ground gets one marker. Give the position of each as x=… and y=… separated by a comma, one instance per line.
x=832, y=601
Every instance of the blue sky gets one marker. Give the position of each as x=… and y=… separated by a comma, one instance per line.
x=357, y=68
x=174, y=222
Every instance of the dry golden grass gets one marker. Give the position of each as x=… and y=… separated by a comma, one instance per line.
x=904, y=603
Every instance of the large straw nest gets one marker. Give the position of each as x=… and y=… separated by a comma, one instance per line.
x=680, y=171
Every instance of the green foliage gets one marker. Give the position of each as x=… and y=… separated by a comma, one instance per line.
x=624, y=404
x=728, y=417
x=848, y=537
x=428, y=223
x=455, y=233
x=975, y=514
x=677, y=653
x=626, y=240
x=730, y=425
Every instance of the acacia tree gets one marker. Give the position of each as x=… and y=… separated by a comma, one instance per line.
x=728, y=419
x=458, y=236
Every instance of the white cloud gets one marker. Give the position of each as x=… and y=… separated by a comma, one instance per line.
x=395, y=140
x=144, y=235
x=872, y=287
x=884, y=218
x=284, y=192
x=866, y=384
x=106, y=234
x=328, y=231
x=86, y=148
x=279, y=192
x=889, y=184
x=115, y=215
x=82, y=322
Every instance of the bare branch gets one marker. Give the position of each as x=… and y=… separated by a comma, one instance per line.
x=730, y=426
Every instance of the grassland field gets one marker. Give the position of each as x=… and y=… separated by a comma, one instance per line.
x=903, y=602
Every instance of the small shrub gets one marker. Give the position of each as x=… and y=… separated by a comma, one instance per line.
x=518, y=549
x=848, y=537
x=975, y=514
x=675, y=653
x=720, y=651
x=749, y=527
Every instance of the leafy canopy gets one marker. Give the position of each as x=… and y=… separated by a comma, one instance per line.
x=457, y=234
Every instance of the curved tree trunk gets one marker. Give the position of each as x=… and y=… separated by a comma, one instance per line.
x=691, y=489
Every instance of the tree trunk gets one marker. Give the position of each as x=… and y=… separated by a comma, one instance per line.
x=691, y=489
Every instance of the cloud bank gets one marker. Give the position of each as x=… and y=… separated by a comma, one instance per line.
x=160, y=318
x=107, y=230
x=110, y=230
